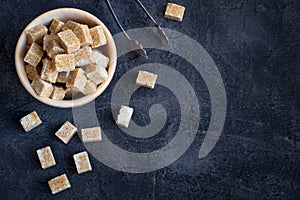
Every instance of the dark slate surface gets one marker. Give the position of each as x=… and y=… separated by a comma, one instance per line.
x=255, y=45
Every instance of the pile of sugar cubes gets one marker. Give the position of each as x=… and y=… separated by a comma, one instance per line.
x=65, y=61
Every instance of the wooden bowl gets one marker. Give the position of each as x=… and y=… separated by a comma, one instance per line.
x=65, y=14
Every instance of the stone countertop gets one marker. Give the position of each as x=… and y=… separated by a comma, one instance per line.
x=255, y=45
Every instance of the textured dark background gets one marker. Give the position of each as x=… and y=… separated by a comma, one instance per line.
x=255, y=45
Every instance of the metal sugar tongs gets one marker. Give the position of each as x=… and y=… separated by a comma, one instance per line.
x=137, y=46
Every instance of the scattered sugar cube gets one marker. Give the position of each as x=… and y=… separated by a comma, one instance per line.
x=30, y=121
x=62, y=77
x=58, y=93
x=31, y=72
x=64, y=62
x=56, y=26
x=98, y=36
x=34, y=54
x=48, y=72
x=124, y=116
x=146, y=79
x=174, y=11
x=83, y=34
x=59, y=184
x=54, y=48
x=46, y=157
x=96, y=73
x=77, y=80
x=99, y=59
x=91, y=134
x=83, y=56
x=36, y=34
x=70, y=25
x=48, y=40
x=41, y=87
x=66, y=132
x=89, y=88
x=69, y=41
x=82, y=162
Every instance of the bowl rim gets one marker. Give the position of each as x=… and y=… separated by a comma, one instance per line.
x=19, y=63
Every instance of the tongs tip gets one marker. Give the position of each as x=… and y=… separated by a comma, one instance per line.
x=139, y=48
x=164, y=38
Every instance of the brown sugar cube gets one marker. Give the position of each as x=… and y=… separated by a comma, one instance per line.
x=146, y=79
x=36, y=34
x=48, y=40
x=89, y=88
x=54, y=48
x=82, y=162
x=83, y=56
x=46, y=157
x=124, y=116
x=62, y=77
x=98, y=36
x=58, y=93
x=69, y=41
x=96, y=74
x=31, y=72
x=174, y=12
x=30, y=121
x=48, y=72
x=77, y=80
x=41, y=87
x=83, y=34
x=56, y=26
x=66, y=132
x=91, y=134
x=64, y=62
x=59, y=184
x=34, y=54
x=99, y=59
x=70, y=25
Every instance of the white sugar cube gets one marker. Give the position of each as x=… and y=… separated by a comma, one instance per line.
x=77, y=80
x=99, y=59
x=96, y=73
x=124, y=116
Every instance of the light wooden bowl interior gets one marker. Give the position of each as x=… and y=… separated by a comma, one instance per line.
x=65, y=14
